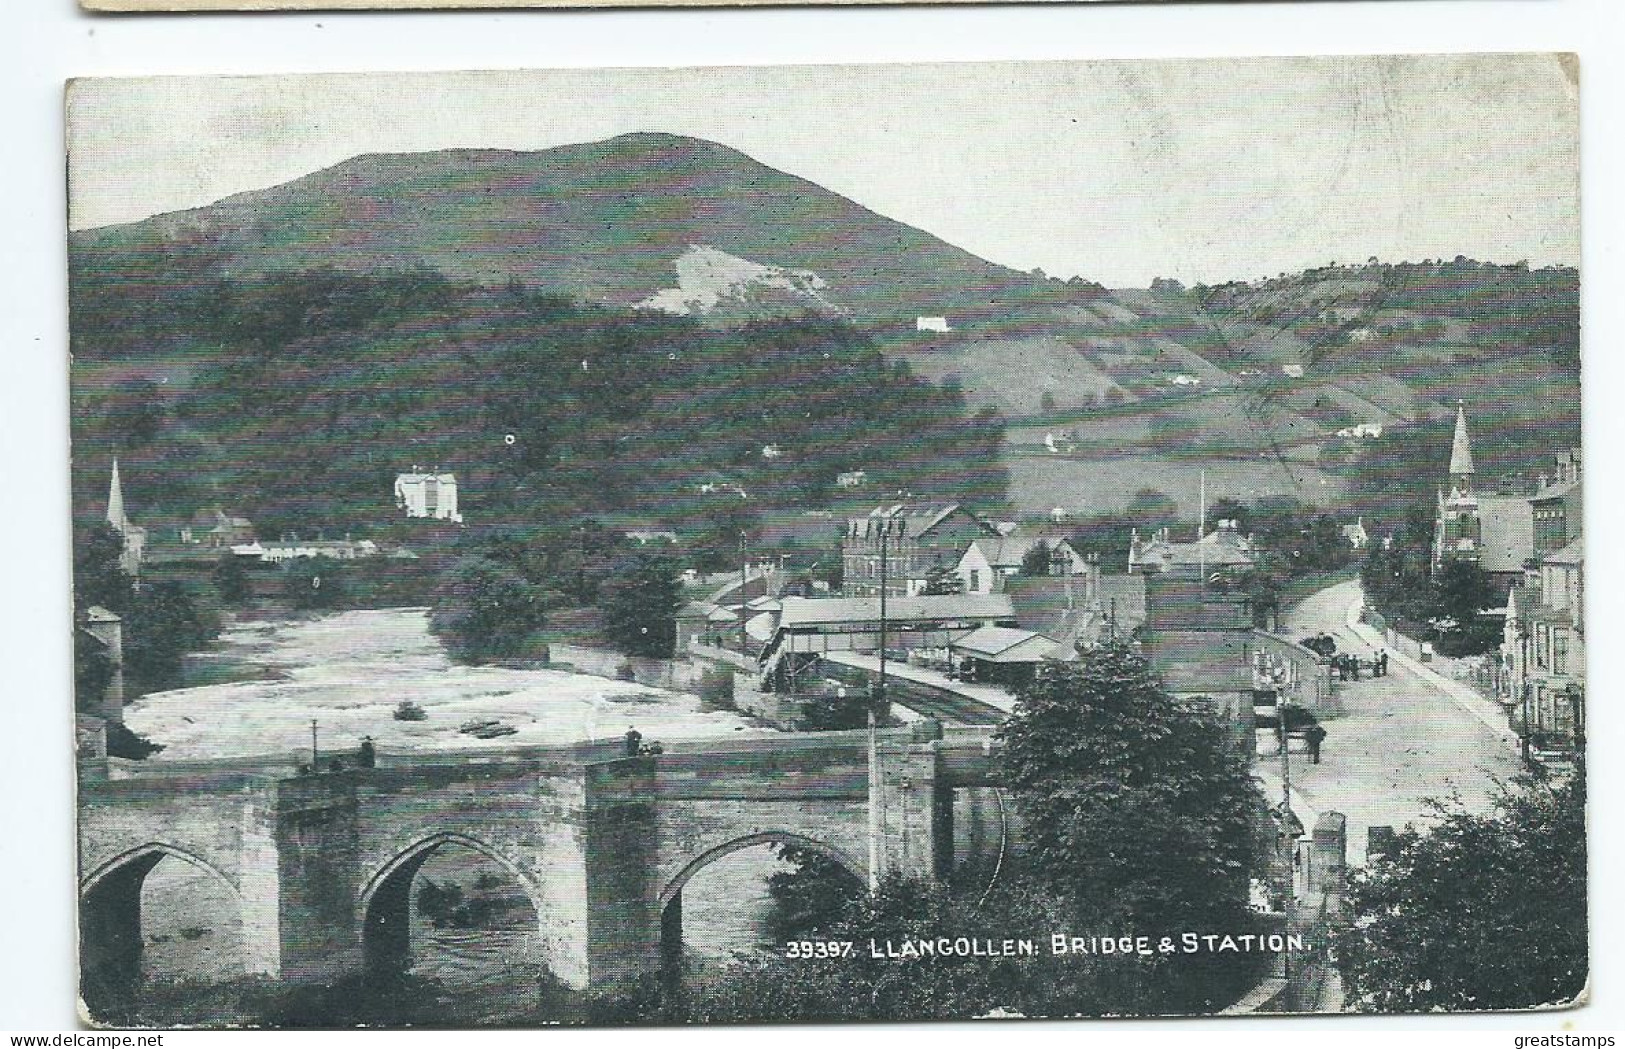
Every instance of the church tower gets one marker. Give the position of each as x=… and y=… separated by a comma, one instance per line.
x=1458, y=529
x=115, y=501
x=1461, y=454
x=135, y=537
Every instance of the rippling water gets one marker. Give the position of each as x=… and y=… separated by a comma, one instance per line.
x=348, y=671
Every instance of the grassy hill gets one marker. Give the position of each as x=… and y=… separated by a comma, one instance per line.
x=602, y=222
x=371, y=309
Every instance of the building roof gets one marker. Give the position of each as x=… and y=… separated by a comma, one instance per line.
x=1507, y=532
x=1555, y=491
x=1573, y=554
x=814, y=612
x=997, y=644
x=1006, y=551
x=1218, y=549
x=923, y=517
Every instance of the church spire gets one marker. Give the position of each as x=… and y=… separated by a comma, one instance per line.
x=1461, y=452
x=115, y=501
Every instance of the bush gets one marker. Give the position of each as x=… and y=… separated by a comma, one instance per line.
x=716, y=689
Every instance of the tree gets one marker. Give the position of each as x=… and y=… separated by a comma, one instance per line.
x=942, y=579
x=98, y=577
x=1133, y=804
x=231, y=579
x=1152, y=508
x=1461, y=590
x=315, y=583
x=1477, y=912
x=640, y=602
x=1036, y=561
x=164, y=622
x=484, y=610
x=810, y=897
x=1228, y=509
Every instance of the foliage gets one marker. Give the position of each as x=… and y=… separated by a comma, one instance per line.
x=1461, y=591
x=811, y=896
x=484, y=610
x=92, y=671
x=98, y=578
x=640, y=604
x=316, y=583
x=164, y=623
x=1036, y=561
x=829, y=710
x=565, y=411
x=1152, y=508
x=716, y=688
x=1133, y=803
x=231, y=579
x=941, y=580
x=124, y=742
x=1477, y=912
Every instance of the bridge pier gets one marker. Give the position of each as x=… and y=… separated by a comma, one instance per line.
x=322, y=865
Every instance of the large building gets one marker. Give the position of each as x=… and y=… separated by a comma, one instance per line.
x=1223, y=549
x=1495, y=532
x=1558, y=505
x=1543, y=648
x=432, y=495
x=914, y=539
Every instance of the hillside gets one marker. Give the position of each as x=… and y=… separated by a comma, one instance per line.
x=616, y=223
x=1259, y=385
x=398, y=264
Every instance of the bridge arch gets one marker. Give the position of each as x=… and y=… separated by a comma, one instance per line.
x=110, y=931
x=384, y=904
x=772, y=837
x=148, y=856
x=671, y=895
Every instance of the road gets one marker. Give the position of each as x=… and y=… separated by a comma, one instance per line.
x=1403, y=739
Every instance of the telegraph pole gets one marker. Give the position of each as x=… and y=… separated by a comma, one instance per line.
x=744, y=578
x=875, y=701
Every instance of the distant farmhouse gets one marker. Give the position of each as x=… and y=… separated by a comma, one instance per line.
x=432, y=495
x=217, y=529
x=936, y=324
x=1357, y=535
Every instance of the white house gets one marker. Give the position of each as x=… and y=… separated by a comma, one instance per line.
x=432, y=495
x=937, y=324
x=1292, y=371
x=1356, y=534
x=298, y=549
x=852, y=479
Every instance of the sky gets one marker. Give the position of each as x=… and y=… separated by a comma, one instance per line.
x=1118, y=172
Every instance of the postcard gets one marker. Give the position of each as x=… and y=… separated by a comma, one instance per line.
x=888, y=542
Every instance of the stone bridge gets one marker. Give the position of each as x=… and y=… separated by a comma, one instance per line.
x=320, y=866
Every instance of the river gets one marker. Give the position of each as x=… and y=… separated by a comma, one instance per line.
x=348, y=671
